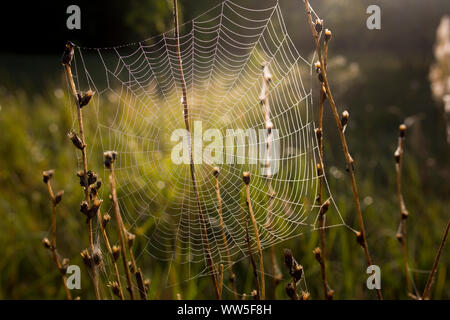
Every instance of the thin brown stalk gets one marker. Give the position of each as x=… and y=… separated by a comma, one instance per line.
x=102, y=225
x=264, y=98
x=232, y=278
x=109, y=163
x=137, y=271
x=430, y=280
x=221, y=279
x=246, y=178
x=67, y=58
x=401, y=234
x=52, y=246
x=192, y=168
x=321, y=172
x=252, y=261
x=361, y=236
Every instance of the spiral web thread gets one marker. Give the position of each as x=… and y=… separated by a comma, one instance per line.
x=137, y=107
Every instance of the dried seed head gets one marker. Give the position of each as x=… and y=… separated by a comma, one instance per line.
x=85, y=97
x=131, y=266
x=76, y=140
x=94, y=208
x=105, y=220
x=402, y=130
x=67, y=54
x=246, y=177
x=318, y=254
x=320, y=76
x=352, y=165
x=405, y=214
x=86, y=258
x=131, y=238
x=319, y=170
x=305, y=295
x=116, y=252
x=64, y=266
x=328, y=34
x=255, y=294
x=397, y=155
x=269, y=126
x=318, y=133
x=115, y=288
x=266, y=73
x=110, y=158
x=288, y=259
x=47, y=175
x=83, y=179
x=46, y=243
x=344, y=118
x=84, y=208
x=216, y=171
x=92, y=177
x=97, y=257
x=318, y=66
x=330, y=294
x=290, y=291
x=399, y=237
x=360, y=238
x=319, y=25
x=146, y=285
x=297, y=272
x=58, y=196
x=324, y=207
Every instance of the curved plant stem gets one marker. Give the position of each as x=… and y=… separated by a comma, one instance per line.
x=258, y=242
x=68, y=69
x=192, y=167
x=53, y=243
x=120, y=229
x=347, y=155
x=430, y=280
x=319, y=134
x=224, y=237
x=252, y=261
x=401, y=234
x=108, y=247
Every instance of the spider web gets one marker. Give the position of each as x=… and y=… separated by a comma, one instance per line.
x=137, y=107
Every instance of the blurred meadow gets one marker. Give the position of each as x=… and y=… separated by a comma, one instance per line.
x=381, y=76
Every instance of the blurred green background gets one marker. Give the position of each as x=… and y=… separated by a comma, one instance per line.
x=380, y=76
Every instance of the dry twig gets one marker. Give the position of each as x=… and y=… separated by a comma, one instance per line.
x=361, y=235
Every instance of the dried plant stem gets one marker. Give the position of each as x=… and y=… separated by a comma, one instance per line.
x=222, y=229
x=137, y=271
x=68, y=69
x=264, y=98
x=192, y=168
x=53, y=241
x=430, y=280
x=246, y=177
x=120, y=228
x=347, y=155
x=401, y=234
x=108, y=247
x=252, y=261
x=319, y=134
x=220, y=280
